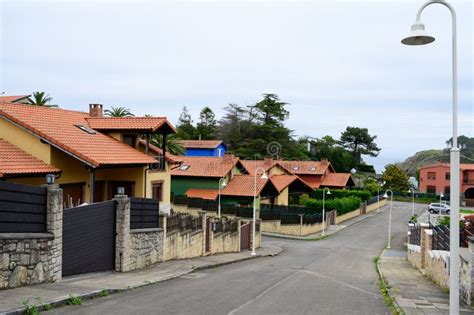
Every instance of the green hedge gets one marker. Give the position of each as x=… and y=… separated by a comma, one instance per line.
x=342, y=205
x=363, y=195
x=365, y=168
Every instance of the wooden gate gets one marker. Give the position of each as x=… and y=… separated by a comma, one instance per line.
x=208, y=235
x=331, y=217
x=89, y=238
x=245, y=236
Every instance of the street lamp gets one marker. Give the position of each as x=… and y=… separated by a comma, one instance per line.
x=379, y=185
x=389, y=216
x=440, y=198
x=328, y=192
x=254, y=222
x=222, y=183
x=418, y=36
x=412, y=190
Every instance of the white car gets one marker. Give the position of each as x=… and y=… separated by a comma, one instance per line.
x=440, y=208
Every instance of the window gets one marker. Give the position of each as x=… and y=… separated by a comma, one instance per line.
x=448, y=176
x=184, y=167
x=431, y=189
x=465, y=177
x=86, y=129
x=295, y=168
x=447, y=190
x=157, y=191
x=431, y=175
x=131, y=140
x=312, y=168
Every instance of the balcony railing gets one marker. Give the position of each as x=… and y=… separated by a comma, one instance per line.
x=468, y=182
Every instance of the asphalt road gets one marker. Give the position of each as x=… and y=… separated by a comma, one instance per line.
x=332, y=276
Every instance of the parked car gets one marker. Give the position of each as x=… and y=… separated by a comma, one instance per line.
x=440, y=208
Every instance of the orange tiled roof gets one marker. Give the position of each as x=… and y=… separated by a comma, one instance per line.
x=204, y=166
x=465, y=167
x=14, y=161
x=337, y=180
x=208, y=194
x=59, y=127
x=282, y=181
x=243, y=186
x=143, y=124
x=307, y=167
x=313, y=181
x=201, y=144
x=462, y=166
x=12, y=98
x=251, y=165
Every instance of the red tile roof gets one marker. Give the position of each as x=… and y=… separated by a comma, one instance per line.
x=14, y=161
x=282, y=181
x=142, y=124
x=201, y=144
x=307, y=167
x=12, y=98
x=251, y=165
x=208, y=194
x=59, y=128
x=244, y=185
x=466, y=167
x=314, y=181
x=462, y=166
x=337, y=180
x=204, y=166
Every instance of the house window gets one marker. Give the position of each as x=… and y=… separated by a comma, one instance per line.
x=448, y=176
x=431, y=175
x=447, y=190
x=431, y=189
x=157, y=191
x=465, y=177
x=131, y=140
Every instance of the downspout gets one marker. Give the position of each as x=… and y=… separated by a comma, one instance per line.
x=163, y=163
x=91, y=185
x=146, y=180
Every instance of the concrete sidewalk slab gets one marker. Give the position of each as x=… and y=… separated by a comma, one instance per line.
x=93, y=285
x=414, y=293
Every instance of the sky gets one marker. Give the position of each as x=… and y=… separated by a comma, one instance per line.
x=337, y=63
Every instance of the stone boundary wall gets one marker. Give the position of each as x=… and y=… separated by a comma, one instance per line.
x=34, y=258
x=225, y=242
x=435, y=267
x=347, y=216
x=466, y=275
x=414, y=255
x=182, y=245
x=376, y=205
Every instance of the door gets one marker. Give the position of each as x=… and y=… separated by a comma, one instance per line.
x=73, y=194
x=89, y=238
x=245, y=237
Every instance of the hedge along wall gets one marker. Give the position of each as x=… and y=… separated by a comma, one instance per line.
x=342, y=205
x=364, y=195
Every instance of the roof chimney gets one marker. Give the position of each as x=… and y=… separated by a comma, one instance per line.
x=95, y=110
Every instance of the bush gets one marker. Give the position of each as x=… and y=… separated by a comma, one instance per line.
x=336, y=194
x=342, y=205
x=365, y=168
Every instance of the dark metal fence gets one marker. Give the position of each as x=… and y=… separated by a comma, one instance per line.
x=225, y=226
x=415, y=235
x=183, y=222
x=440, y=237
x=22, y=208
x=465, y=234
x=290, y=218
x=374, y=199
x=144, y=213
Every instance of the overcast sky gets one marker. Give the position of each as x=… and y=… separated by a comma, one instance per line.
x=337, y=63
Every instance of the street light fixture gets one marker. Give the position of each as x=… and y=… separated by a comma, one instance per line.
x=412, y=190
x=389, y=216
x=222, y=183
x=419, y=37
x=379, y=185
x=441, y=196
x=254, y=221
x=328, y=192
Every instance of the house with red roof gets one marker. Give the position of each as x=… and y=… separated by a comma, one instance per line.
x=204, y=148
x=91, y=155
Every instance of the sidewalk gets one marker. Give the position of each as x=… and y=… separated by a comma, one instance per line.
x=413, y=292
x=92, y=285
x=332, y=229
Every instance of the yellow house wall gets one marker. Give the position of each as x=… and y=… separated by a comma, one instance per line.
x=160, y=176
x=282, y=198
x=277, y=170
x=25, y=141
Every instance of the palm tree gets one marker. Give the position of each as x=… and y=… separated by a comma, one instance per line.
x=41, y=99
x=173, y=145
x=118, y=112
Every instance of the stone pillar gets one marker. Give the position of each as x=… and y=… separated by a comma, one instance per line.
x=203, y=216
x=469, y=288
x=239, y=223
x=122, y=240
x=54, y=225
x=164, y=225
x=426, y=245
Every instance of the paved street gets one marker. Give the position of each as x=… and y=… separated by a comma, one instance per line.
x=332, y=276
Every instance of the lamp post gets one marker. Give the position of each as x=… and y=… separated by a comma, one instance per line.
x=254, y=221
x=328, y=192
x=440, y=198
x=389, y=216
x=379, y=185
x=221, y=184
x=412, y=201
x=418, y=36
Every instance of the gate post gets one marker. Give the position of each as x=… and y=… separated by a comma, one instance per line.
x=54, y=225
x=122, y=240
x=203, y=216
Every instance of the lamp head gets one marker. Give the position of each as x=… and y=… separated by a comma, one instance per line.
x=224, y=184
x=328, y=192
x=353, y=171
x=264, y=176
x=385, y=195
x=418, y=36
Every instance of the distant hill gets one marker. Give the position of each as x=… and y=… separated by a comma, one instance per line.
x=423, y=158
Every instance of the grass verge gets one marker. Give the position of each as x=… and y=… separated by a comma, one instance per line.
x=385, y=291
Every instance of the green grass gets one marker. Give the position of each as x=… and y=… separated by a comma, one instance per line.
x=417, y=200
x=74, y=300
x=466, y=211
x=385, y=291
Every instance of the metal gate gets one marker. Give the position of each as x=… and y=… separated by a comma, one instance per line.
x=208, y=235
x=245, y=236
x=89, y=238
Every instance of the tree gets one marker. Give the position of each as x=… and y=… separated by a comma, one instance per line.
x=184, y=127
x=371, y=185
x=359, y=142
x=41, y=99
x=173, y=144
x=118, y=112
x=328, y=148
x=395, y=178
x=206, y=128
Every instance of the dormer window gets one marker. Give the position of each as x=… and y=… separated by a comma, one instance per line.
x=295, y=168
x=184, y=167
x=86, y=129
x=131, y=140
x=312, y=168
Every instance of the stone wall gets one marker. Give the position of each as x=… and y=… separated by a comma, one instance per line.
x=33, y=258
x=181, y=245
x=376, y=205
x=414, y=255
x=466, y=276
x=300, y=230
x=435, y=267
x=347, y=216
x=271, y=226
x=226, y=242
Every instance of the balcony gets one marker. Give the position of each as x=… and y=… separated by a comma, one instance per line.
x=468, y=182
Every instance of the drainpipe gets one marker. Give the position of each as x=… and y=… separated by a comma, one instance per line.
x=91, y=185
x=146, y=179
x=162, y=165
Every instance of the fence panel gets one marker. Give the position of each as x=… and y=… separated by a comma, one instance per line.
x=183, y=222
x=441, y=237
x=415, y=235
x=144, y=213
x=22, y=208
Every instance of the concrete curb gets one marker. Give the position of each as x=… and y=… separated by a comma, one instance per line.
x=60, y=302
x=387, y=285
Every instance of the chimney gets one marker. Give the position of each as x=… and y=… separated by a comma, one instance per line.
x=95, y=110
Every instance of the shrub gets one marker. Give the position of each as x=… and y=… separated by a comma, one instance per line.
x=342, y=205
x=338, y=193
